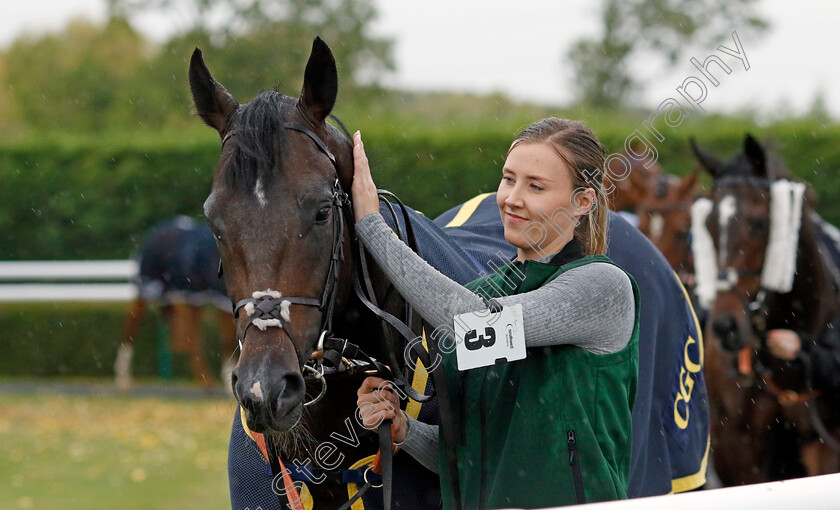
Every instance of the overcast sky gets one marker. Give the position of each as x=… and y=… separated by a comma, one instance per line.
x=518, y=47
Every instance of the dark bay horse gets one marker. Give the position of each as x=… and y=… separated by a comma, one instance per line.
x=283, y=224
x=178, y=271
x=760, y=269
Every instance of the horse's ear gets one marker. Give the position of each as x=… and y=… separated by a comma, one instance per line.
x=213, y=103
x=755, y=155
x=687, y=184
x=320, y=83
x=710, y=163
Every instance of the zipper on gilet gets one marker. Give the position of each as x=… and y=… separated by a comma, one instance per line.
x=482, y=409
x=574, y=462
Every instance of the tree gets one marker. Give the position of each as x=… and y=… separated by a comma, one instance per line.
x=662, y=29
x=72, y=79
x=254, y=44
x=97, y=77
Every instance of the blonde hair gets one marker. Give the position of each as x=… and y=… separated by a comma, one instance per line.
x=584, y=155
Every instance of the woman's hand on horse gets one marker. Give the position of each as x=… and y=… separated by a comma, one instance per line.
x=783, y=343
x=365, y=199
x=377, y=402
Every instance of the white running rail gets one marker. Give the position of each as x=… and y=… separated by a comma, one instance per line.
x=812, y=493
x=62, y=280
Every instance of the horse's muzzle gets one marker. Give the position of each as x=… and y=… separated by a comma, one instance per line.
x=272, y=397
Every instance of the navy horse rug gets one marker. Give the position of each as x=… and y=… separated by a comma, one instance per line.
x=179, y=263
x=670, y=415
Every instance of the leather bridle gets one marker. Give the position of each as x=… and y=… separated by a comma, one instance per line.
x=270, y=306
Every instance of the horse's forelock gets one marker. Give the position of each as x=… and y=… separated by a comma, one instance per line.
x=258, y=141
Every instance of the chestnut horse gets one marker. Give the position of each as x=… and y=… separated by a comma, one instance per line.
x=767, y=421
x=639, y=179
x=664, y=212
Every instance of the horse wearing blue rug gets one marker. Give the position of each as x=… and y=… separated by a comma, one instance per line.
x=179, y=272
x=670, y=416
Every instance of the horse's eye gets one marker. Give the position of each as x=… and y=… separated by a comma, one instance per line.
x=323, y=215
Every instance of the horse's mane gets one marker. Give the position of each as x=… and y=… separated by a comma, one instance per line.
x=259, y=139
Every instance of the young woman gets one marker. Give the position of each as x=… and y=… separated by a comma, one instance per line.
x=553, y=428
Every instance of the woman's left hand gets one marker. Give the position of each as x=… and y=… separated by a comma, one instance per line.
x=377, y=402
x=365, y=199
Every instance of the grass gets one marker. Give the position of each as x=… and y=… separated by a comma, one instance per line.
x=87, y=452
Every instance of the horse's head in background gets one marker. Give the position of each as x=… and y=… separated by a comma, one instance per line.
x=760, y=266
x=640, y=178
x=765, y=268
x=739, y=225
x=278, y=212
x=665, y=218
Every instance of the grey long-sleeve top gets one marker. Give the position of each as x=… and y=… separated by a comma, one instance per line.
x=590, y=306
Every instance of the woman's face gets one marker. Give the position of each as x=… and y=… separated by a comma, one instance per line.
x=535, y=200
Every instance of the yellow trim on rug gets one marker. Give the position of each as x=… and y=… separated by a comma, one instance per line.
x=467, y=210
x=352, y=488
x=418, y=382
x=691, y=482
x=696, y=322
x=244, y=423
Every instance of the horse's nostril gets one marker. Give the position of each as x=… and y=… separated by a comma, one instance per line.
x=290, y=393
x=250, y=404
x=233, y=379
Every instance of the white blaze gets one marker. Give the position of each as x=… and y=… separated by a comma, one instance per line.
x=726, y=212
x=260, y=193
x=657, y=223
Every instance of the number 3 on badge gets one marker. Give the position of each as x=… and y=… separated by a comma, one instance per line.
x=485, y=338
x=474, y=341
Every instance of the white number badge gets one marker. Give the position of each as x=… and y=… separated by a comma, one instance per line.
x=484, y=338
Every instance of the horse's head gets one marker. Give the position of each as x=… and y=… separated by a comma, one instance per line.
x=628, y=193
x=665, y=218
x=276, y=210
x=739, y=226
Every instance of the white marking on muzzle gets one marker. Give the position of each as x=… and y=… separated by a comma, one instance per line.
x=257, y=391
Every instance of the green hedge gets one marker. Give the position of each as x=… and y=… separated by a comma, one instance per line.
x=81, y=339
x=94, y=199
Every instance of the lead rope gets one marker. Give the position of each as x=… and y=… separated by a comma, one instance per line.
x=448, y=429
x=289, y=496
